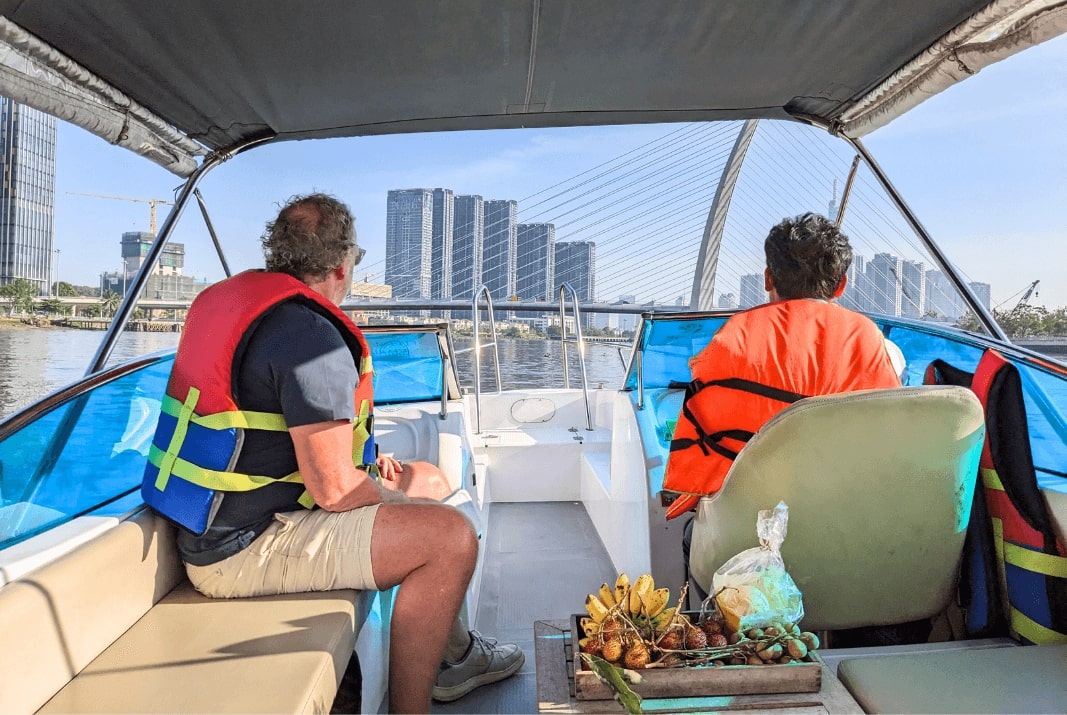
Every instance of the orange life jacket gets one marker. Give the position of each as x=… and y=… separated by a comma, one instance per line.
x=759, y=362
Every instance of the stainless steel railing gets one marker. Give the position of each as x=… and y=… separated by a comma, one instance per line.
x=477, y=347
x=579, y=340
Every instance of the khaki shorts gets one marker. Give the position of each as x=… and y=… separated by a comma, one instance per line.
x=307, y=550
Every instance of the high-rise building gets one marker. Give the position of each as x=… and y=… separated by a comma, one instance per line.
x=913, y=289
x=576, y=265
x=943, y=301
x=408, y=242
x=499, y=247
x=752, y=290
x=982, y=293
x=468, y=232
x=884, y=283
x=27, y=195
x=535, y=265
x=727, y=301
x=857, y=291
x=441, y=245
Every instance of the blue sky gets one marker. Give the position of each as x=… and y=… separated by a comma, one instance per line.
x=982, y=165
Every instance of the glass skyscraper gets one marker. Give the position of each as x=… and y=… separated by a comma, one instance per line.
x=468, y=230
x=499, y=247
x=535, y=265
x=576, y=265
x=441, y=245
x=408, y=241
x=27, y=197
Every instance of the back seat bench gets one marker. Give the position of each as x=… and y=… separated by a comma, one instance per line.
x=114, y=626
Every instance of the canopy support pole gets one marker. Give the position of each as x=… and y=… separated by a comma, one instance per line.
x=982, y=313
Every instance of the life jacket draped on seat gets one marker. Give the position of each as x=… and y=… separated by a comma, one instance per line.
x=201, y=427
x=1014, y=564
x=761, y=361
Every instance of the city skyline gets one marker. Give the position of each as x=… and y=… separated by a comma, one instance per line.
x=441, y=246
x=885, y=284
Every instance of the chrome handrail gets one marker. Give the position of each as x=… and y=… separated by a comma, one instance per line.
x=579, y=339
x=476, y=328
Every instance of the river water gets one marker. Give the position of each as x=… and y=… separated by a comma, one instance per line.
x=37, y=361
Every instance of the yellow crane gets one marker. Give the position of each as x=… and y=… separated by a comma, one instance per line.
x=152, y=203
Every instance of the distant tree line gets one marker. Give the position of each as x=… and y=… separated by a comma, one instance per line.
x=1023, y=321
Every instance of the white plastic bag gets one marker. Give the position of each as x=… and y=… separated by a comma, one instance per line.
x=753, y=589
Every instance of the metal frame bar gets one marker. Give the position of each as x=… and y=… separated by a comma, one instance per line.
x=984, y=316
x=211, y=229
x=133, y=291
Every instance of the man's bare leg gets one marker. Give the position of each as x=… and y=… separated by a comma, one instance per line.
x=420, y=480
x=431, y=552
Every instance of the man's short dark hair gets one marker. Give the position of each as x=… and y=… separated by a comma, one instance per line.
x=807, y=257
x=312, y=236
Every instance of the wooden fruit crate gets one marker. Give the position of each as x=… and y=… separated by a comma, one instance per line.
x=681, y=682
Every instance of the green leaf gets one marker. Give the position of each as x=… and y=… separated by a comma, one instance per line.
x=614, y=677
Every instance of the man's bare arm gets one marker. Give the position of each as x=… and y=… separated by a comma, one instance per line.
x=324, y=457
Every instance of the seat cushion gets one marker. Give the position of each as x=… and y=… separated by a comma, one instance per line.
x=189, y=653
x=1030, y=679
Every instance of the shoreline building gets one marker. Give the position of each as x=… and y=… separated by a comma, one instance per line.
x=27, y=196
x=535, y=264
x=752, y=290
x=468, y=234
x=167, y=280
x=576, y=265
x=441, y=243
x=499, y=247
x=409, y=242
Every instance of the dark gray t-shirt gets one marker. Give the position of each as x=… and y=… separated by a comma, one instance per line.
x=294, y=362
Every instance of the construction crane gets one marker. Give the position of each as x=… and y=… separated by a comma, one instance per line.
x=152, y=203
x=1027, y=292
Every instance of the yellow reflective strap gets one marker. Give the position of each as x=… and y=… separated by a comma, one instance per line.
x=177, y=438
x=306, y=500
x=365, y=365
x=215, y=479
x=360, y=433
x=243, y=419
x=991, y=479
x=1033, y=631
x=239, y=419
x=1024, y=558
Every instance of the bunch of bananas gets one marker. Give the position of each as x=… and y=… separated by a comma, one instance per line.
x=642, y=603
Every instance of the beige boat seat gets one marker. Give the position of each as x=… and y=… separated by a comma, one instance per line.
x=878, y=485
x=1028, y=679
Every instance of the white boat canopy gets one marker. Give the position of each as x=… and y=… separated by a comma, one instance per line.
x=176, y=80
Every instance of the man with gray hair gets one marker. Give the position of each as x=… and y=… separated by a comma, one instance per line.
x=272, y=352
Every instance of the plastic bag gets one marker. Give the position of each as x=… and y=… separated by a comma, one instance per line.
x=753, y=588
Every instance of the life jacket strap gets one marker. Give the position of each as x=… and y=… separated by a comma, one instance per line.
x=239, y=419
x=168, y=460
x=213, y=478
x=756, y=388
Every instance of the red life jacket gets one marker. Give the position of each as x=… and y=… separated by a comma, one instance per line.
x=1015, y=565
x=759, y=362
x=198, y=438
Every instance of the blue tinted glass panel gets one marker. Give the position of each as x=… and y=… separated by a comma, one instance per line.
x=1044, y=392
x=667, y=345
x=920, y=348
x=1045, y=395
x=407, y=367
x=81, y=455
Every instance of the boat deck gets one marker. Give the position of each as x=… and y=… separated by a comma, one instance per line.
x=525, y=544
